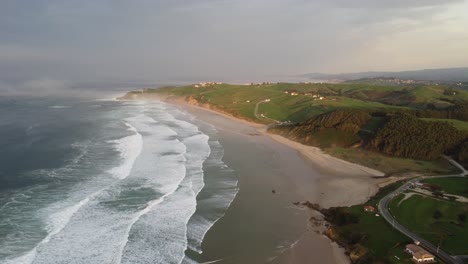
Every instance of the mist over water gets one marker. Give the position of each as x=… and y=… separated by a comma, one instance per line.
x=107, y=182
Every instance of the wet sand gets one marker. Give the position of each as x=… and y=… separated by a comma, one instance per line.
x=262, y=226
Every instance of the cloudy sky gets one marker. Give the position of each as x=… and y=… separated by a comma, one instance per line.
x=47, y=42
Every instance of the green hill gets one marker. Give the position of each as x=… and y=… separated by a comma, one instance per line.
x=350, y=119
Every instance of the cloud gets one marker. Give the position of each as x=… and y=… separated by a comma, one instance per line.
x=159, y=41
x=392, y=4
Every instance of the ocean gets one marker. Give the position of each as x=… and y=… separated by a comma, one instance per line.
x=107, y=181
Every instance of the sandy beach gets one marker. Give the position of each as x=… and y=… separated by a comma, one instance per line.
x=273, y=173
x=342, y=183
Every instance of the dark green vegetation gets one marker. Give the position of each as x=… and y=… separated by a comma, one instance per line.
x=406, y=125
x=406, y=136
x=336, y=128
x=462, y=154
x=455, y=185
x=395, y=129
x=460, y=125
x=440, y=222
x=367, y=238
x=401, y=135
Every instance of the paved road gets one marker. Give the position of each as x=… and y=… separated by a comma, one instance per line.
x=458, y=165
x=383, y=208
x=263, y=116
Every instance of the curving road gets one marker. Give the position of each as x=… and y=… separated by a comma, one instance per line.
x=385, y=202
x=263, y=116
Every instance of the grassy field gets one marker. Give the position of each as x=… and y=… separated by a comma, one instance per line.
x=392, y=165
x=382, y=241
x=418, y=214
x=240, y=100
x=376, y=234
x=455, y=185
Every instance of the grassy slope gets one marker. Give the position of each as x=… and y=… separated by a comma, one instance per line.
x=240, y=100
x=381, y=239
x=416, y=213
x=456, y=185
x=392, y=165
x=282, y=107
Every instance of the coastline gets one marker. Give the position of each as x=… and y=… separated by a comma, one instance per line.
x=334, y=182
x=353, y=182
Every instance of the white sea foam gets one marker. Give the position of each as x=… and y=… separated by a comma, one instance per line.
x=159, y=231
x=59, y=106
x=221, y=189
x=60, y=219
x=24, y=259
x=104, y=227
x=169, y=214
x=146, y=212
x=221, y=184
x=57, y=222
x=129, y=147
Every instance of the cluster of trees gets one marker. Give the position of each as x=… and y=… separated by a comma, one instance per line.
x=345, y=120
x=406, y=136
x=339, y=216
x=459, y=112
x=401, y=134
x=462, y=153
x=339, y=128
x=352, y=239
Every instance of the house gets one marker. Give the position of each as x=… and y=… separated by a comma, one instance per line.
x=286, y=92
x=423, y=257
x=412, y=248
x=419, y=254
x=369, y=208
x=294, y=93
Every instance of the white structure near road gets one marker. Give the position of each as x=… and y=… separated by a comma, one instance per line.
x=419, y=254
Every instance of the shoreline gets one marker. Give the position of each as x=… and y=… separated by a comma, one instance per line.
x=341, y=170
x=340, y=183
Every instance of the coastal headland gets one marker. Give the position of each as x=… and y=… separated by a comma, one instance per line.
x=277, y=169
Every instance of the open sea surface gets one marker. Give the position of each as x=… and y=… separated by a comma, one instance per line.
x=107, y=181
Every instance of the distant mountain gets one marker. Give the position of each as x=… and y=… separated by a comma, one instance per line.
x=444, y=75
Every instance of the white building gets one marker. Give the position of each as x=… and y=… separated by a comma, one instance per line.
x=419, y=254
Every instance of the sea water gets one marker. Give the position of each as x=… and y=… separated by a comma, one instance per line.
x=106, y=181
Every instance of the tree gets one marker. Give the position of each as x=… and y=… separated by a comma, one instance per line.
x=462, y=217
x=437, y=214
